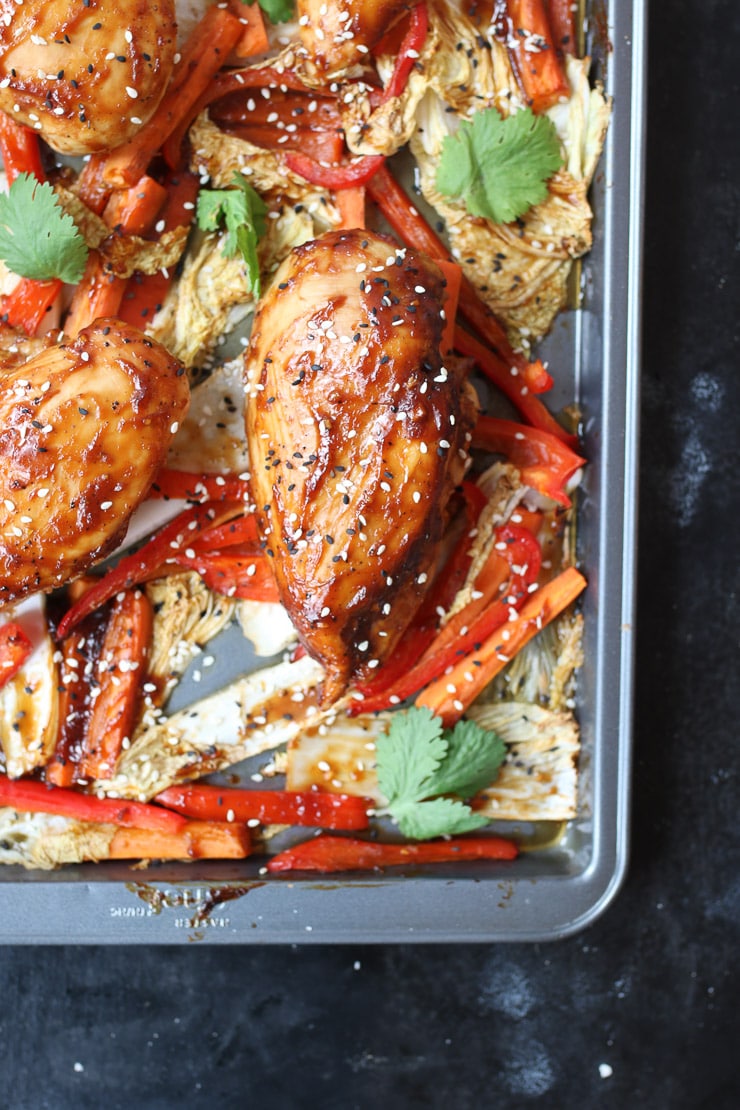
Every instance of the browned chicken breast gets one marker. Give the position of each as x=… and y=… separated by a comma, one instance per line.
x=85, y=73
x=357, y=437
x=338, y=37
x=84, y=427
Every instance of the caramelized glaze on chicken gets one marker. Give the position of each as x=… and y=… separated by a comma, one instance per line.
x=338, y=37
x=84, y=427
x=85, y=73
x=357, y=437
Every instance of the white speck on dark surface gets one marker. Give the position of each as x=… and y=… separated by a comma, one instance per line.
x=606, y=1071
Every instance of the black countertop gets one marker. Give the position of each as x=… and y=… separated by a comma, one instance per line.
x=639, y=1010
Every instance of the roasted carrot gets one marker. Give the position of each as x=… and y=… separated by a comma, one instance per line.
x=285, y=807
x=15, y=648
x=31, y=796
x=453, y=277
x=340, y=853
x=194, y=840
x=253, y=38
x=206, y=50
x=119, y=676
x=99, y=293
x=509, y=380
x=451, y=694
x=135, y=209
x=562, y=17
x=351, y=205
x=533, y=54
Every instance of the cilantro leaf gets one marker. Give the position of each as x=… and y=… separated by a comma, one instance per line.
x=499, y=166
x=440, y=817
x=416, y=761
x=472, y=761
x=408, y=754
x=242, y=211
x=38, y=239
x=277, y=11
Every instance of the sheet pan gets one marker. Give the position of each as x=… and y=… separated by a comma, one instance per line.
x=545, y=894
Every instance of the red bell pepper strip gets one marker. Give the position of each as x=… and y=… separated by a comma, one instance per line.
x=31, y=796
x=132, y=569
x=339, y=853
x=27, y=305
x=506, y=377
x=242, y=532
x=334, y=177
x=284, y=807
x=233, y=573
x=451, y=694
x=413, y=229
x=411, y=46
x=15, y=648
x=199, y=488
x=471, y=626
x=533, y=55
x=20, y=150
x=422, y=632
x=544, y=461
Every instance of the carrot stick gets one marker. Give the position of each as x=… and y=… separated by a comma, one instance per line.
x=562, y=17
x=195, y=840
x=135, y=209
x=351, y=205
x=99, y=293
x=253, y=39
x=512, y=386
x=20, y=150
x=31, y=796
x=410, y=225
x=340, y=853
x=451, y=694
x=120, y=674
x=206, y=50
x=533, y=55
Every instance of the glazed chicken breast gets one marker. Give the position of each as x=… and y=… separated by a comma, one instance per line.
x=357, y=435
x=86, y=75
x=84, y=427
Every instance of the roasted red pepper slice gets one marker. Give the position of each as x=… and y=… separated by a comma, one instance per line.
x=411, y=46
x=15, y=648
x=289, y=807
x=132, y=569
x=339, y=853
x=334, y=177
x=233, y=573
x=20, y=149
x=180, y=484
x=30, y=796
x=544, y=461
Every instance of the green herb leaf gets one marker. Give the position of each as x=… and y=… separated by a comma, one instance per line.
x=277, y=11
x=38, y=239
x=440, y=817
x=242, y=211
x=417, y=761
x=499, y=166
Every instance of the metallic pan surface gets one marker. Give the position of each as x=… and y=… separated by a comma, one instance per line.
x=543, y=895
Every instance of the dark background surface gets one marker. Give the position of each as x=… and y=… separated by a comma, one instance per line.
x=651, y=990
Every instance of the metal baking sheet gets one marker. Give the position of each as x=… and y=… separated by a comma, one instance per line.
x=546, y=894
